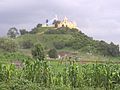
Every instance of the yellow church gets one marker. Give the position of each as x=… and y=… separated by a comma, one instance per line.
x=55, y=22
x=66, y=23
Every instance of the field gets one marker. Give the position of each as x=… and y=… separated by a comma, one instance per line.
x=56, y=75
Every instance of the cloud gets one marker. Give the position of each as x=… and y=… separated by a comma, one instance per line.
x=97, y=18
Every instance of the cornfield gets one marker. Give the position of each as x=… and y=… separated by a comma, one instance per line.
x=72, y=75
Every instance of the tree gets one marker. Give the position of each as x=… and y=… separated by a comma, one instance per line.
x=52, y=53
x=113, y=49
x=38, y=52
x=39, y=25
x=12, y=32
x=23, y=31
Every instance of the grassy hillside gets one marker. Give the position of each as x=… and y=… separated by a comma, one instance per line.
x=71, y=41
x=66, y=39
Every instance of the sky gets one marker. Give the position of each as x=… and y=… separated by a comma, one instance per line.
x=99, y=19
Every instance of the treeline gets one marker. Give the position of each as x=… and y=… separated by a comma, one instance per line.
x=13, y=32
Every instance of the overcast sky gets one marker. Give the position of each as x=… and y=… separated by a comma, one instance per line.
x=99, y=19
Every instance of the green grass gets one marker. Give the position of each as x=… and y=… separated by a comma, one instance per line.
x=26, y=52
x=46, y=39
x=10, y=57
x=32, y=37
x=43, y=29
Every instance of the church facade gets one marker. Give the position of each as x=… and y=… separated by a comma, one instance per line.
x=60, y=23
x=66, y=23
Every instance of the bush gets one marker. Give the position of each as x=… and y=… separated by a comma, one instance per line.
x=26, y=44
x=39, y=25
x=23, y=31
x=55, y=32
x=8, y=45
x=113, y=49
x=53, y=53
x=59, y=44
x=38, y=52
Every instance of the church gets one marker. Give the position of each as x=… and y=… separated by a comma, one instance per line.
x=61, y=23
x=66, y=23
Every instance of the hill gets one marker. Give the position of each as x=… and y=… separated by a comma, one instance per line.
x=66, y=39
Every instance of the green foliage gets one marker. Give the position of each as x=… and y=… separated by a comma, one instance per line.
x=62, y=30
x=19, y=84
x=59, y=44
x=52, y=53
x=6, y=57
x=55, y=32
x=86, y=44
x=12, y=32
x=23, y=31
x=39, y=25
x=8, y=45
x=107, y=49
x=33, y=31
x=6, y=72
x=37, y=29
x=27, y=37
x=36, y=75
x=26, y=44
x=38, y=72
x=73, y=39
x=114, y=49
x=38, y=52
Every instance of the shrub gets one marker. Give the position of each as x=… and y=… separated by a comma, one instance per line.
x=26, y=44
x=23, y=31
x=59, y=44
x=8, y=45
x=52, y=53
x=38, y=52
x=55, y=32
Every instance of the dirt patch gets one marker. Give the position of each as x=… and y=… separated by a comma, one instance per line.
x=17, y=63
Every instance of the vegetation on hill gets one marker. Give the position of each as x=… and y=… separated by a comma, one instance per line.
x=64, y=37
x=38, y=52
x=8, y=45
x=61, y=39
x=53, y=53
